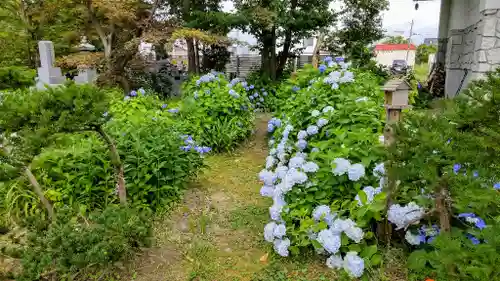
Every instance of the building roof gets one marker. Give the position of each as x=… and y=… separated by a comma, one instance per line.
x=429, y=41
x=394, y=47
x=396, y=84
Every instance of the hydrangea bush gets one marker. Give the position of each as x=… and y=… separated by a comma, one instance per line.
x=324, y=171
x=445, y=195
x=217, y=112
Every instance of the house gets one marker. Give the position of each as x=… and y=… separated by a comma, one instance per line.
x=469, y=41
x=308, y=45
x=430, y=41
x=387, y=53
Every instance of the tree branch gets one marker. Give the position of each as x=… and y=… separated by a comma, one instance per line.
x=39, y=192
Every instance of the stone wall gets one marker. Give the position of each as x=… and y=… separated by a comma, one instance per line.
x=472, y=51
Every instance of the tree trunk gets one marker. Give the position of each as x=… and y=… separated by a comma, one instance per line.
x=273, y=54
x=197, y=56
x=191, y=55
x=283, y=57
x=265, y=55
x=317, y=48
x=39, y=192
x=115, y=159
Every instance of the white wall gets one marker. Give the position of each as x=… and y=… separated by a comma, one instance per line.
x=386, y=57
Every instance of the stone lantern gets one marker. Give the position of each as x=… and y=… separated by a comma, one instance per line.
x=86, y=74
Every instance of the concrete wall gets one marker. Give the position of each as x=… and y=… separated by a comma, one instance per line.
x=386, y=57
x=472, y=42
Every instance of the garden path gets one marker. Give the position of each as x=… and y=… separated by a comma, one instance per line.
x=216, y=232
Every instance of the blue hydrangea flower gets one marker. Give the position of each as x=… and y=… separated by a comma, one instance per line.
x=173, y=110
x=331, y=242
x=251, y=97
x=457, y=168
x=105, y=114
x=312, y=130
x=302, y=135
x=251, y=87
x=295, y=88
x=328, y=109
x=261, y=99
x=339, y=59
x=195, y=95
x=328, y=59
x=141, y=91
x=334, y=262
x=133, y=93
x=473, y=239
x=315, y=149
x=302, y=144
x=322, y=122
x=354, y=265
x=163, y=106
x=322, y=68
x=281, y=247
x=270, y=128
x=265, y=94
x=186, y=148
x=475, y=174
x=474, y=219
x=496, y=185
x=126, y=98
x=296, y=162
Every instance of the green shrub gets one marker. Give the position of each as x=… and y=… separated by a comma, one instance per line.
x=16, y=77
x=75, y=245
x=218, y=114
x=324, y=146
x=444, y=160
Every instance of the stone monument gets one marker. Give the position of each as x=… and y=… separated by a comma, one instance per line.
x=48, y=75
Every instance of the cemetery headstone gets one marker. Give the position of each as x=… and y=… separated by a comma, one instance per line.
x=48, y=75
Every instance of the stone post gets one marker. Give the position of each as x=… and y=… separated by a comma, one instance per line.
x=48, y=75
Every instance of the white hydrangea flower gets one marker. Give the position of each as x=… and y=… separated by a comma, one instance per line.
x=323, y=212
x=315, y=113
x=355, y=233
x=341, y=166
x=280, y=231
x=356, y=172
x=269, y=231
x=270, y=161
x=302, y=135
x=334, y=262
x=296, y=162
x=301, y=154
x=285, y=186
x=310, y=167
x=401, y=216
x=315, y=149
x=296, y=176
x=312, y=130
x=328, y=109
x=379, y=170
x=413, y=239
x=381, y=139
x=288, y=128
x=329, y=241
x=370, y=194
x=281, y=246
x=353, y=264
x=267, y=191
x=273, y=151
x=341, y=225
x=282, y=156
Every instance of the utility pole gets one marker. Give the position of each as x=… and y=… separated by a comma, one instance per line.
x=409, y=41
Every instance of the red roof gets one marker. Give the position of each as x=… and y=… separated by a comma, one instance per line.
x=394, y=47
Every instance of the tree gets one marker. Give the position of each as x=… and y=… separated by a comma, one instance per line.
x=362, y=25
x=423, y=52
x=396, y=40
x=286, y=22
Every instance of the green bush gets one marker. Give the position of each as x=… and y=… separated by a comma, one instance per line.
x=218, y=114
x=444, y=160
x=324, y=146
x=78, y=245
x=16, y=77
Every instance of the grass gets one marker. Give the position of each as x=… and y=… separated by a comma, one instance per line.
x=421, y=71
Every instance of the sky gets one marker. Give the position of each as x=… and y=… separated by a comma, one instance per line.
x=396, y=20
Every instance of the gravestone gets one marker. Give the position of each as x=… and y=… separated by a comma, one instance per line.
x=85, y=76
x=48, y=75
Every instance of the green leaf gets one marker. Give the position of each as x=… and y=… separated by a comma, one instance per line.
x=417, y=260
x=376, y=259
